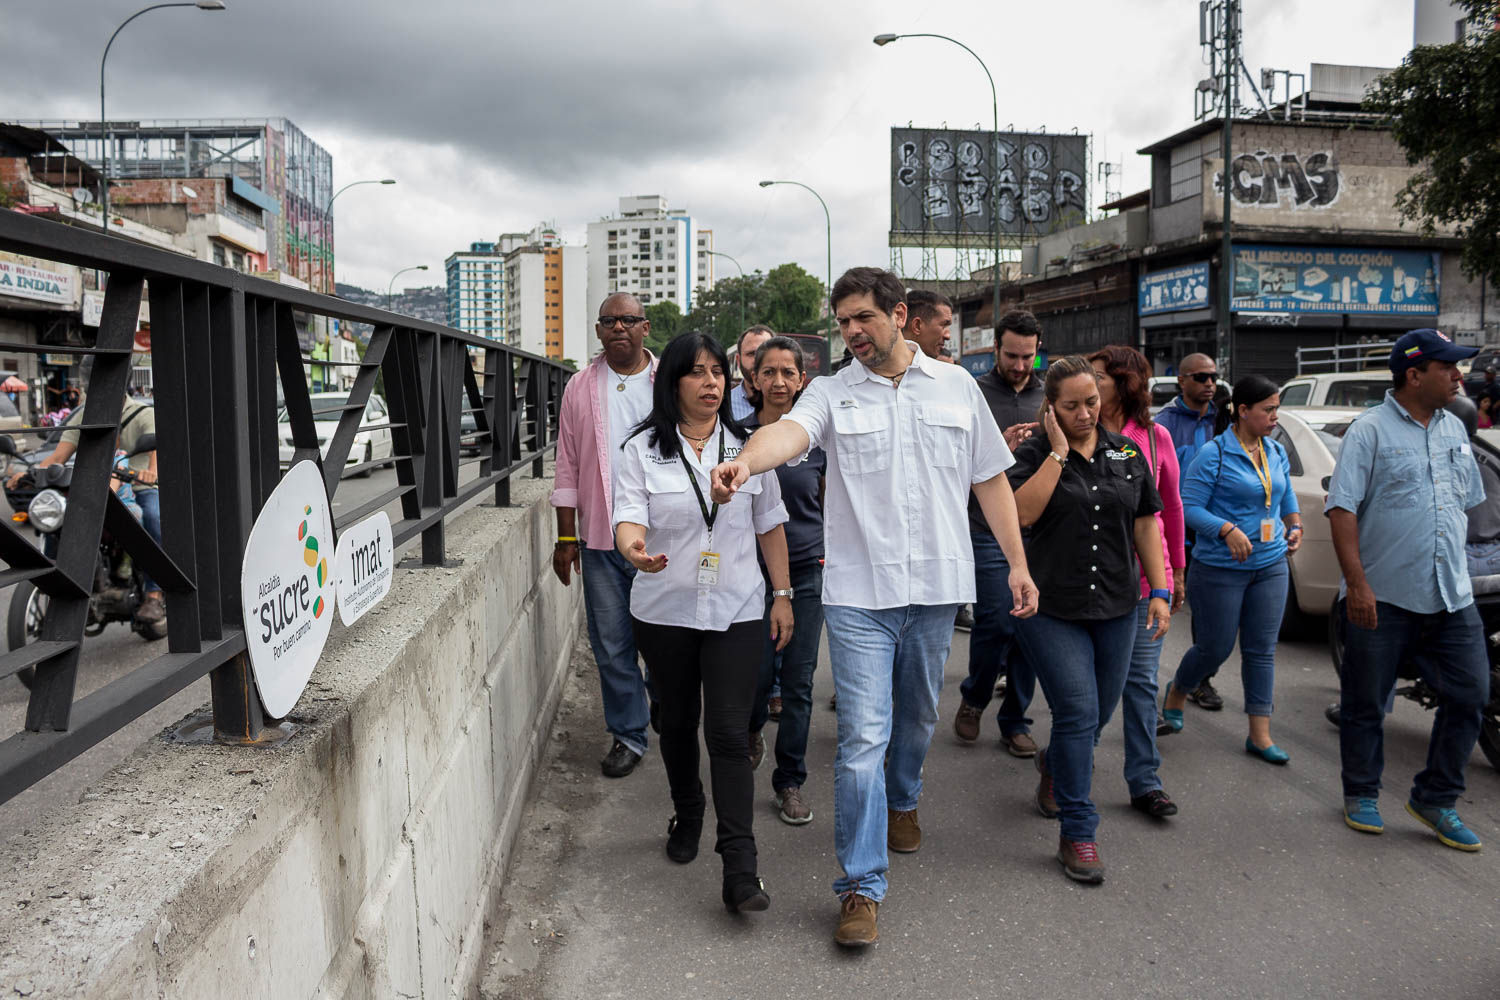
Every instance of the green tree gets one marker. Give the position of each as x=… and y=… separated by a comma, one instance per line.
x=1443, y=103
x=666, y=323
x=728, y=308
x=792, y=300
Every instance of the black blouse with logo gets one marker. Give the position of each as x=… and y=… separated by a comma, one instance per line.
x=1081, y=551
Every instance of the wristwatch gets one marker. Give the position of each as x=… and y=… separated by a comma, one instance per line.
x=1058, y=458
x=1165, y=595
x=787, y=593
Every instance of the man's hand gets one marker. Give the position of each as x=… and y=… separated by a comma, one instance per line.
x=781, y=622
x=1159, y=614
x=726, y=479
x=146, y=477
x=1016, y=433
x=15, y=477
x=1179, y=589
x=566, y=560
x=1359, y=604
x=643, y=562
x=1023, y=594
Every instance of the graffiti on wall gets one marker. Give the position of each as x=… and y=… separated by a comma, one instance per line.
x=1293, y=180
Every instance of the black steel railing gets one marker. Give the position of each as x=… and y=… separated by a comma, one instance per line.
x=222, y=343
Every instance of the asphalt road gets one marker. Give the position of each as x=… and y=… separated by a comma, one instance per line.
x=115, y=653
x=1256, y=889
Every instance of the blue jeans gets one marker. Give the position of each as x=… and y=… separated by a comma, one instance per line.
x=798, y=661
x=1229, y=602
x=1082, y=667
x=887, y=671
x=992, y=643
x=606, y=599
x=1138, y=708
x=149, y=499
x=1449, y=649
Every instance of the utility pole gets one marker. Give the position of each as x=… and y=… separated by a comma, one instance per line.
x=1231, y=45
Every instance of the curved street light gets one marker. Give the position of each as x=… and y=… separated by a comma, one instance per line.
x=828, y=219
x=390, y=288
x=103, y=128
x=743, y=290
x=328, y=206
x=994, y=164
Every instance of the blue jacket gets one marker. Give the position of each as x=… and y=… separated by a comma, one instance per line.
x=1222, y=485
x=1189, y=431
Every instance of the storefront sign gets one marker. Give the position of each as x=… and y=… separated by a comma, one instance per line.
x=1176, y=288
x=978, y=338
x=363, y=568
x=287, y=589
x=1293, y=279
x=43, y=284
x=93, y=308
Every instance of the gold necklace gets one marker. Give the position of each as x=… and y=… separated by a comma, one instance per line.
x=620, y=387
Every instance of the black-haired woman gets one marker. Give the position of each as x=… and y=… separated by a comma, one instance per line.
x=1237, y=496
x=699, y=601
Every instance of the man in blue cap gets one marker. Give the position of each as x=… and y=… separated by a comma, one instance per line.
x=1405, y=477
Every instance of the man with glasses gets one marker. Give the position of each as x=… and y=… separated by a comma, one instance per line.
x=600, y=406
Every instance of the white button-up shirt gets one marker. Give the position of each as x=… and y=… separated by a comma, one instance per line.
x=654, y=491
x=901, y=461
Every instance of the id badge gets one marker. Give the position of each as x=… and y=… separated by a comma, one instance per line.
x=1267, y=530
x=708, y=569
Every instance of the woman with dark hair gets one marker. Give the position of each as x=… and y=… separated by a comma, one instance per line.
x=699, y=601
x=778, y=375
x=1088, y=497
x=1237, y=497
x=1125, y=408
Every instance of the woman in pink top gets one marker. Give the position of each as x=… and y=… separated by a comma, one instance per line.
x=1125, y=407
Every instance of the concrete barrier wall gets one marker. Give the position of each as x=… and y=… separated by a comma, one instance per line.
x=356, y=860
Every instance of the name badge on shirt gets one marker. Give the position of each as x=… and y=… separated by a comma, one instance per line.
x=1267, y=530
x=708, y=569
x=1464, y=448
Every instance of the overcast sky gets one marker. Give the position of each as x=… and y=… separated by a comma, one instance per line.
x=496, y=115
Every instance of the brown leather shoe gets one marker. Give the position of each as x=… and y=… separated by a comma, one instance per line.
x=903, y=834
x=1019, y=745
x=152, y=610
x=966, y=722
x=857, y=921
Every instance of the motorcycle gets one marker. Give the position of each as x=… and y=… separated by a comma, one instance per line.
x=40, y=500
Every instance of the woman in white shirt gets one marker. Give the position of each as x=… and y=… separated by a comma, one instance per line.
x=699, y=600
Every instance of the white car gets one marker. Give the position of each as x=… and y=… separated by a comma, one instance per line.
x=1361, y=389
x=372, y=442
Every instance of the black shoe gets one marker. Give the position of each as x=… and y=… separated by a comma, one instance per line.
x=1163, y=727
x=1331, y=713
x=1205, y=697
x=964, y=621
x=1155, y=804
x=682, y=838
x=745, y=894
x=620, y=761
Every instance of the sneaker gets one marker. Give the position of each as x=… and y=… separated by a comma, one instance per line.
x=793, y=809
x=966, y=722
x=903, y=833
x=1450, y=830
x=1163, y=727
x=857, y=914
x=1080, y=860
x=620, y=761
x=757, y=750
x=1205, y=697
x=1045, y=803
x=1363, y=815
x=964, y=620
x=1155, y=803
x=773, y=708
x=1019, y=744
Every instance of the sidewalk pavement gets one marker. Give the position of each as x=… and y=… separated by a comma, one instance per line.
x=1256, y=889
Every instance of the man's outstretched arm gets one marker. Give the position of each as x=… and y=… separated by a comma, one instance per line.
x=770, y=446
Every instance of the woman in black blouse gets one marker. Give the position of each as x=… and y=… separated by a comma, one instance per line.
x=1088, y=498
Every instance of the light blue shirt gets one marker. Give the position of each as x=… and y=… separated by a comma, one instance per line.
x=740, y=406
x=1222, y=485
x=1409, y=486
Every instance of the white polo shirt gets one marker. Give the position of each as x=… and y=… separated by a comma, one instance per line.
x=901, y=461
x=654, y=491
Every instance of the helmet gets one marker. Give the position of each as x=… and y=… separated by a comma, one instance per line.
x=1465, y=409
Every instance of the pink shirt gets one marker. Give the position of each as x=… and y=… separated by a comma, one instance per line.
x=1169, y=518
x=582, y=479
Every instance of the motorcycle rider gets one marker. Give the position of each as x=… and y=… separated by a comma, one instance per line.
x=136, y=419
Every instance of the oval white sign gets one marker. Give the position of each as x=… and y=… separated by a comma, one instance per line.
x=363, y=568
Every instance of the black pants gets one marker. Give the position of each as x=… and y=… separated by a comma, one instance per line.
x=724, y=667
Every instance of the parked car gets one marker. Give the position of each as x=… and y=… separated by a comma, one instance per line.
x=1361, y=389
x=1474, y=377
x=370, y=445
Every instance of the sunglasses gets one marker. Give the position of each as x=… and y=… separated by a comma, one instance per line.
x=628, y=322
x=1202, y=378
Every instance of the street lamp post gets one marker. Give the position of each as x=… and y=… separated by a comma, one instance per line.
x=744, y=292
x=390, y=289
x=103, y=129
x=328, y=206
x=994, y=151
x=828, y=219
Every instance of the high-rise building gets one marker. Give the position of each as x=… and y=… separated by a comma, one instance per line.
x=476, y=290
x=648, y=250
x=547, y=310
x=704, y=247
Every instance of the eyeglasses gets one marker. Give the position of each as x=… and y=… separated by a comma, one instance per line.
x=1202, y=377
x=628, y=322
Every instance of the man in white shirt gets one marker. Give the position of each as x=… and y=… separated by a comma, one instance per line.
x=750, y=341
x=906, y=438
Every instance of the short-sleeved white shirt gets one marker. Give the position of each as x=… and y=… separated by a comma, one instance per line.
x=901, y=461
x=654, y=491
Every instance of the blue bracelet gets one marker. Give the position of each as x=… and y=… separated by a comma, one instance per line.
x=1165, y=595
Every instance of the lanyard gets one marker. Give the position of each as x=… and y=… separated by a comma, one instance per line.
x=1262, y=470
x=709, y=516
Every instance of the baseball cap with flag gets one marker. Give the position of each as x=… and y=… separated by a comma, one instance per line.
x=1416, y=346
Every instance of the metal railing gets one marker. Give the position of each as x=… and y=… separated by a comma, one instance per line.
x=221, y=343
x=1344, y=357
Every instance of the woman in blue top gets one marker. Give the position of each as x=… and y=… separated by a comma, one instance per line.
x=1237, y=496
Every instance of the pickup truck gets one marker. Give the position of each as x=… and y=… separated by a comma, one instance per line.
x=1366, y=388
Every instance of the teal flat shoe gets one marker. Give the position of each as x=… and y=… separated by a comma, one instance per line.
x=1172, y=716
x=1272, y=754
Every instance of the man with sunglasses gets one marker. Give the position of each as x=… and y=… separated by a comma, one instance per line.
x=600, y=406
